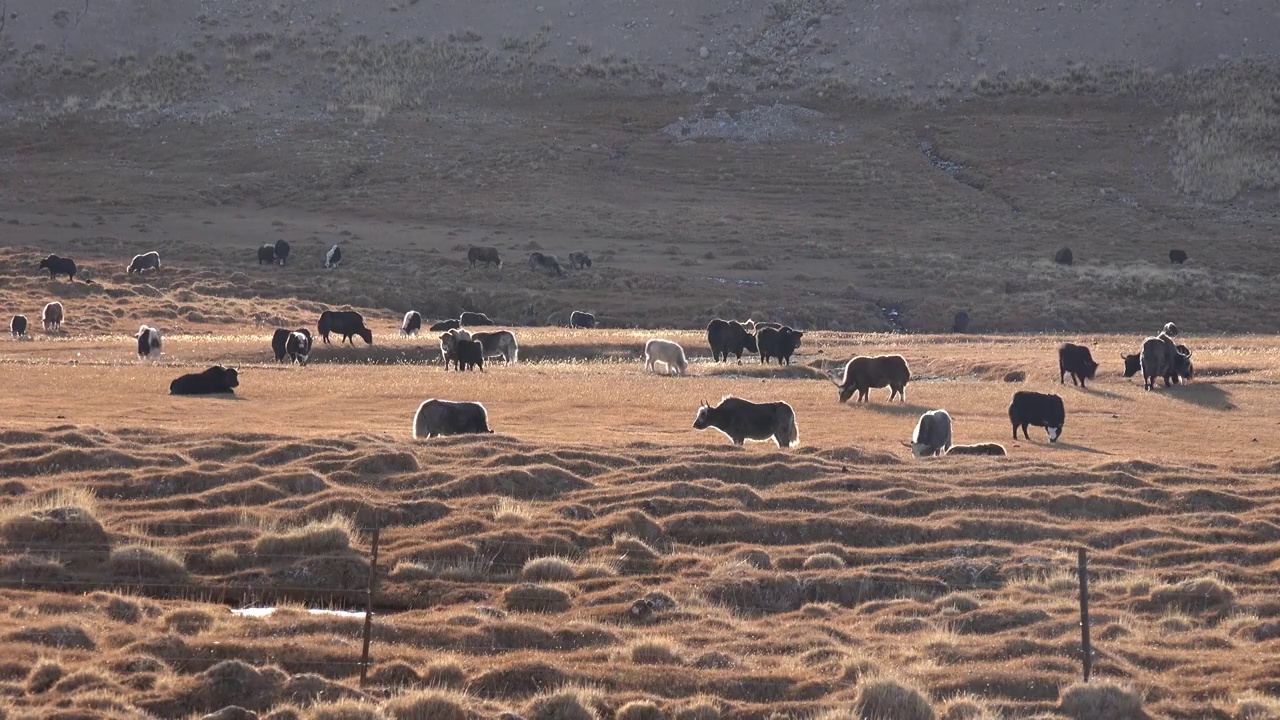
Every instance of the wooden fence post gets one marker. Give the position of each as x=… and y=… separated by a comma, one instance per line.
x=1085, y=645
x=368, y=606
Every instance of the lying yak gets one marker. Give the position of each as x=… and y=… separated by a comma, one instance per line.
x=145, y=261
x=59, y=266
x=932, y=435
x=863, y=373
x=445, y=325
x=1076, y=360
x=217, y=380
x=346, y=323
x=579, y=319
x=743, y=420
x=667, y=352
x=1039, y=409
x=730, y=336
x=468, y=318
x=445, y=417
x=977, y=449
x=149, y=342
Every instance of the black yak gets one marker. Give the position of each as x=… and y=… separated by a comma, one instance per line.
x=345, y=323
x=1033, y=408
x=863, y=373
x=1077, y=360
x=281, y=251
x=1064, y=256
x=445, y=417
x=149, y=342
x=729, y=336
x=145, y=261
x=1177, y=257
x=18, y=326
x=59, y=266
x=487, y=256
x=298, y=346
x=333, y=257
x=579, y=319
x=411, y=324
x=446, y=325
x=216, y=380
x=579, y=260
x=1161, y=358
x=977, y=449
x=278, y=342
x=778, y=343
x=547, y=263
x=743, y=420
x=52, y=316
x=468, y=354
x=267, y=254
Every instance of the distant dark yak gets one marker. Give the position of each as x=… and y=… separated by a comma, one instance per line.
x=977, y=449
x=960, y=323
x=863, y=373
x=1170, y=329
x=1064, y=256
x=267, y=254
x=1132, y=364
x=298, y=346
x=149, y=342
x=1162, y=358
x=579, y=319
x=281, y=251
x=18, y=326
x=579, y=260
x=278, y=341
x=1033, y=408
x=216, y=380
x=346, y=323
x=469, y=319
x=333, y=257
x=544, y=262
x=444, y=417
x=52, y=316
x=411, y=324
x=778, y=343
x=743, y=420
x=730, y=336
x=445, y=325
x=59, y=266
x=145, y=261
x=486, y=256
x=1076, y=360
x=1177, y=257
x=469, y=354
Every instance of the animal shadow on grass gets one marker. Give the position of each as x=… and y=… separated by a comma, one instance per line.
x=1206, y=395
x=1081, y=448
x=894, y=408
x=1105, y=394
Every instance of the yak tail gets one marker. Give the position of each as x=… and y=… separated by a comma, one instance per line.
x=792, y=431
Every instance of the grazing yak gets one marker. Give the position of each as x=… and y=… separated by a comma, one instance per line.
x=1170, y=329
x=579, y=260
x=149, y=342
x=145, y=261
x=730, y=336
x=217, y=380
x=459, y=347
x=485, y=255
x=1064, y=256
x=1132, y=364
x=1033, y=408
x=18, y=326
x=977, y=449
x=52, y=316
x=1177, y=257
x=281, y=251
x=1161, y=358
x=474, y=318
x=778, y=343
x=59, y=266
x=333, y=257
x=445, y=417
x=579, y=319
x=743, y=420
x=278, y=342
x=863, y=373
x=411, y=324
x=667, y=352
x=445, y=326
x=960, y=323
x=298, y=346
x=498, y=344
x=932, y=435
x=267, y=254
x=1077, y=360
x=345, y=323
x=546, y=263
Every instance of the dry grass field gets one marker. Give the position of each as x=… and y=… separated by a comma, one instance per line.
x=598, y=557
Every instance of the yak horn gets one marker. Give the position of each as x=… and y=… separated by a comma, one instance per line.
x=905, y=443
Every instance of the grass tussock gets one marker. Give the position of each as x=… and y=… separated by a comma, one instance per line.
x=1101, y=700
x=509, y=511
x=531, y=597
x=1198, y=595
x=331, y=535
x=655, y=651
x=395, y=674
x=428, y=705
x=968, y=707
x=548, y=569
x=145, y=564
x=43, y=676
x=698, y=708
x=188, y=621
x=344, y=710
x=887, y=697
x=824, y=561
x=639, y=710
x=1256, y=706
x=445, y=674
x=566, y=703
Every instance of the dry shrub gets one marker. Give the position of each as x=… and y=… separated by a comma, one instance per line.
x=428, y=705
x=638, y=710
x=188, y=622
x=395, y=674
x=142, y=564
x=331, y=535
x=444, y=674
x=824, y=561
x=567, y=703
x=43, y=676
x=698, y=708
x=344, y=710
x=1256, y=706
x=655, y=651
x=548, y=569
x=886, y=697
x=1206, y=594
x=1101, y=700
x=529, y=597
x=510, y=511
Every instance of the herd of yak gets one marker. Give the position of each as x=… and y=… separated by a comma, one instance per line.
x=739, y=419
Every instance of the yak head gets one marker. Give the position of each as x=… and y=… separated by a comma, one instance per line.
x=701, y=421
x=1055, y=432
x=846, y=388
x=1132, y=364
x=367, y=334
x=1090, y=369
